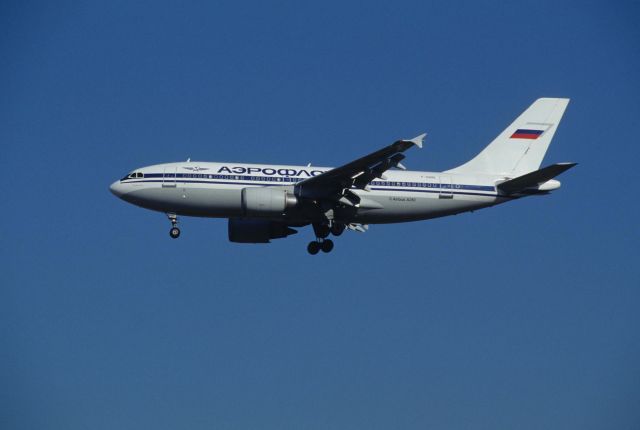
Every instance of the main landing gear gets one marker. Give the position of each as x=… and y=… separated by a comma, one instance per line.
x=326, y=245
x=322, y=231
x=175, y=231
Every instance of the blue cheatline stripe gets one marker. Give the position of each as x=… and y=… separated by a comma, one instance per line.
x=279, y=179
x=260, y=180
x=433, y=191
x=438, y=192
x=207, y=182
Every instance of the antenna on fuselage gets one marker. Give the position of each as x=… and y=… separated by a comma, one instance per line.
x=189, y=160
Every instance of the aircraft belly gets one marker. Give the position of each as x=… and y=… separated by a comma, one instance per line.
x=402, y=208
x=204, y=202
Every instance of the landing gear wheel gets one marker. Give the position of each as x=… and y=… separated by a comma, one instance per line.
x=337, y=229
x=174, y=232
x=321, y=230
x=313, y=247
x=326, y=245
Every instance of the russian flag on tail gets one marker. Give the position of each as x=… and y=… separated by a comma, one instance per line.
x=525, y=133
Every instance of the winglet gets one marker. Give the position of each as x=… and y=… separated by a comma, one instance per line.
x=417, y=141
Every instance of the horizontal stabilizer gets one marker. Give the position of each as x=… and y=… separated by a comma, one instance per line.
x=534, y=179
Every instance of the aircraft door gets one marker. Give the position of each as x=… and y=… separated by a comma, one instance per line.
x=446, y=188
x=169, y=177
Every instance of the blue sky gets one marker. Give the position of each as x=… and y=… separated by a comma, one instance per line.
x=521, y=316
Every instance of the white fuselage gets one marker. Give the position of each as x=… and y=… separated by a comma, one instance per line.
x=214, y=190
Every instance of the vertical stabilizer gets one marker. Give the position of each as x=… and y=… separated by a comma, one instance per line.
x=520, y=148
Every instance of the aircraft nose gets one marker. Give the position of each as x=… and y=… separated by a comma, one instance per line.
x=117, y=189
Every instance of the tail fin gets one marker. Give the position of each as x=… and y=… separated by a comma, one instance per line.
x=520, y=148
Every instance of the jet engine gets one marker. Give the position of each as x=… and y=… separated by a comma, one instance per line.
x=257, y=230
x=266, y=201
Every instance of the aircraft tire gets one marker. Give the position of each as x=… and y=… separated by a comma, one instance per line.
x=327, y=245
x=313, y=247
x=337, y=229
x=321, y=230
x=174, y=232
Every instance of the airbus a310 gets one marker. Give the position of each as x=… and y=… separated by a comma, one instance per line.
x=264, y=202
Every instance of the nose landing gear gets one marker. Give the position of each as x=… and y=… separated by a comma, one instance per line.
x=175, y=231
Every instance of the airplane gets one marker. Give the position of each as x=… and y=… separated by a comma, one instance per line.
x=265, y=202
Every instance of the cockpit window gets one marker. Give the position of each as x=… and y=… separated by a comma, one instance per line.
x=133, y=175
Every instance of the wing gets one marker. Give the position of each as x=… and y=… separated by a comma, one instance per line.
x=335, y=183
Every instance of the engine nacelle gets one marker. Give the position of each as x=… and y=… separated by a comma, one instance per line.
x=257, y=230
x=266, y=201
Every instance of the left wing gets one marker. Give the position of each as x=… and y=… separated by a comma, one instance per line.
x=335, y=183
